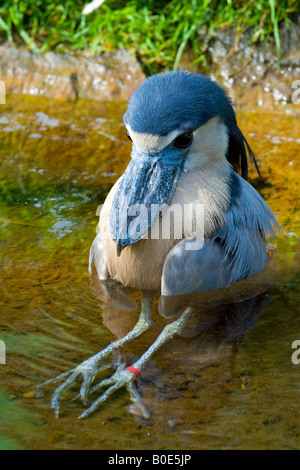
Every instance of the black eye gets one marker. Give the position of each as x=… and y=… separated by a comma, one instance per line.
x=184, y=140
x=129, y=136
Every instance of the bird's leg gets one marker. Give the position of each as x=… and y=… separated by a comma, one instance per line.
x=88, y=369
x=126, y=376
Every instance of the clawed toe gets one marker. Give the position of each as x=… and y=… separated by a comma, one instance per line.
x=87, y=371
x=59, y=378
x=118, y=380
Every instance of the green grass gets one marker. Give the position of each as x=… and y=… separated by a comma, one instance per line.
x=157, y=32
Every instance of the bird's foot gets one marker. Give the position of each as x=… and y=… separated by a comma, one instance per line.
x=121, y=378
x=87, y=371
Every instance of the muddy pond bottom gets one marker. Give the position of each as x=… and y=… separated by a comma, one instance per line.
x=227, y=382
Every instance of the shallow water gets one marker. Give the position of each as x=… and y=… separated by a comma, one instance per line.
x=227, y=382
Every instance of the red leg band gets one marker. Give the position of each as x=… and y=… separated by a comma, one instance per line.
x=134, y=370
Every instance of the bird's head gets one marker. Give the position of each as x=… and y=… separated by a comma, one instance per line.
x=176, y=121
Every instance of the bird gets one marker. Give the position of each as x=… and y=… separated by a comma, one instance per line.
x=182, y=219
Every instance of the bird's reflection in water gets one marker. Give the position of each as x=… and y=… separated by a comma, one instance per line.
x=185, y=381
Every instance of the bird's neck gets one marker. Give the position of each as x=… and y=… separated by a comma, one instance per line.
x=208, y=186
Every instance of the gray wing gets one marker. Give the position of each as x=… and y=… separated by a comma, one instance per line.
x=235, y=251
